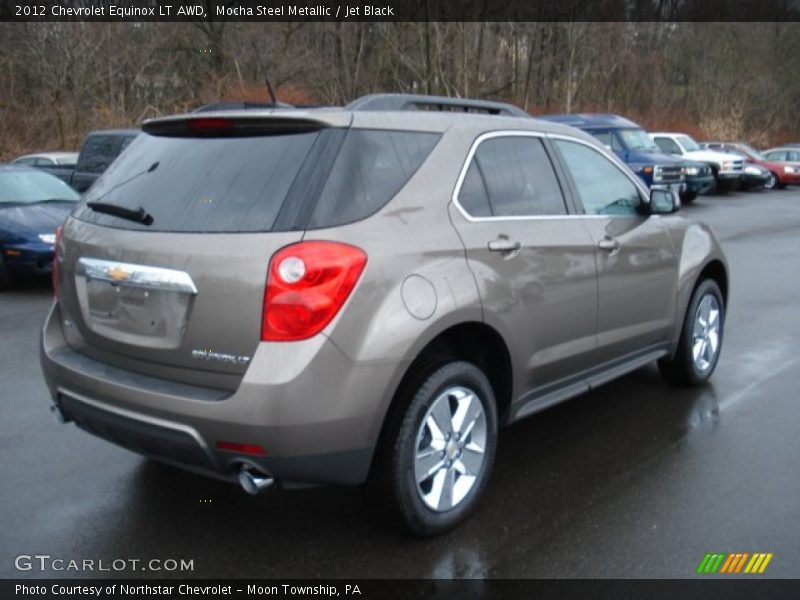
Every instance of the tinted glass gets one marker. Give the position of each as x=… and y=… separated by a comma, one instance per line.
x=637, y=139
x=372, y=166
x=25, y=161
x=23, y=187
x=688, y=143
x=667, y=145
x=602, y=187
x=98, y=152
x=202, y=184
x=776, y=155
x=608, y=138
x=473, y=197
x=519, y=177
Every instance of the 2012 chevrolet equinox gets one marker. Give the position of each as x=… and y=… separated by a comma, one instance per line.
x=366, y=294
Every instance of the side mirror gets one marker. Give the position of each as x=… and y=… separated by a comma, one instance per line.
x=663, y=202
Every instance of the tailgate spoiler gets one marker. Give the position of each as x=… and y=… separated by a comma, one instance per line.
x=249, y=122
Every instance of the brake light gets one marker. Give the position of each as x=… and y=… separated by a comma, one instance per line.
x=210, y=124
x=54, y=272
x=307, y=285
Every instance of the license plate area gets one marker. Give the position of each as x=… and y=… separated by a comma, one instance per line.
x=134, y=304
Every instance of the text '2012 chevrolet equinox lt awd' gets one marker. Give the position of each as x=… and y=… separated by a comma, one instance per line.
x=364, y=295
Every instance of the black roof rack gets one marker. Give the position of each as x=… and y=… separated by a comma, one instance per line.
x=441, y=103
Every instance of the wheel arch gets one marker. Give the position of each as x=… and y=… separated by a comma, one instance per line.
x=471, y=341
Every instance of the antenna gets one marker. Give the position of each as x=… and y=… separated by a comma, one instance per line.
x=263, y=70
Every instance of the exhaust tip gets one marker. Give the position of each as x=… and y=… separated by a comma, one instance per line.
x=254, y=483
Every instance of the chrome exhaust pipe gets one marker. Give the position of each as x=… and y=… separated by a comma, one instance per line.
x=253, y=482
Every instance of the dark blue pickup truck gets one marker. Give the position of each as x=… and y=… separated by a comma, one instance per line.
x=99, y=150
x=632, y=144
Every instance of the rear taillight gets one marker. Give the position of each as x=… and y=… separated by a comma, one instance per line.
x=56, y=244
x=307, y=284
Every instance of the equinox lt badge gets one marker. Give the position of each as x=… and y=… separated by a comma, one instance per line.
x=233, y=359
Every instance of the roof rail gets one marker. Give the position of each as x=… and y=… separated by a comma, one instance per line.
x=441, y=103
x=239, y=105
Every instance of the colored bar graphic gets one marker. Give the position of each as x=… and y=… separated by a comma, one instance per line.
x=733, y=563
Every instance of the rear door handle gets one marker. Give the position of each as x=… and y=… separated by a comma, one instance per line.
x=504, y=245
x=609, y=244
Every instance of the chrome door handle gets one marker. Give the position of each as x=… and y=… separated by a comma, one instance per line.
x=504, y=245
x=609, y=244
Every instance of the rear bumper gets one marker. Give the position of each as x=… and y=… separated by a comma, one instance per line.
x=315, y=413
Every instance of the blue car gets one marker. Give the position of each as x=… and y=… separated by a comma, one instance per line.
x=632, y=144
x=32, y=206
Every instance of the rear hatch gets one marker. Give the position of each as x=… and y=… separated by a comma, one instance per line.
x=162, y=267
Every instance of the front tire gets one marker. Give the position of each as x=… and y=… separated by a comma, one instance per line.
x=440, y=454
x=771, y=182
x=701, y=338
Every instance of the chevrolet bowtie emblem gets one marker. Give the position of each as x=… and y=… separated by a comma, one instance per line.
x=118, y=274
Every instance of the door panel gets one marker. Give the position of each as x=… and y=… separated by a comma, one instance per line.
x=534, y=263
x=637, y=291
x=636, y=261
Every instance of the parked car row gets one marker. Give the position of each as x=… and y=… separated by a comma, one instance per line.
x=81, y=170
x=662, y=160
x=678, y=162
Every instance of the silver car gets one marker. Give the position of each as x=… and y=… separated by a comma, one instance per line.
x=366, y=294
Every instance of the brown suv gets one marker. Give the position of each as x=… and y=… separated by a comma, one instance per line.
x=366, y=294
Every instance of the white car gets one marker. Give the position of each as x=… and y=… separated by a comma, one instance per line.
x=727, y=167
x=48, y=159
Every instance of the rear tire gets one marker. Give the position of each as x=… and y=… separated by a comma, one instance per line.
x=439, y=454
x=701, y=338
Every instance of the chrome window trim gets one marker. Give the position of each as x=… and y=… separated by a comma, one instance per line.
x=142, y=276
x=540, y=135
x=465, y=167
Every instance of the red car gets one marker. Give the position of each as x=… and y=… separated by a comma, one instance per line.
x=782, y=178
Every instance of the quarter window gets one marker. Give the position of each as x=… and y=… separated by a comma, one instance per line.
x=601, y=186
x=510, y=177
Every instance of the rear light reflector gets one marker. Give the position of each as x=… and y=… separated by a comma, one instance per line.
x=241, y=448
x=307, y=285
x=54, y=271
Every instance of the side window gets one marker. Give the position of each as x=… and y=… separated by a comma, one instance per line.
x=25, y=161
x=609, y=139
x=371, y=168
x=43, y=162
x=518, y=179
x=601, y=186
x=97, y=153
x=776, y=155
x=473, y=196
x=667, y=145
x=793, y=156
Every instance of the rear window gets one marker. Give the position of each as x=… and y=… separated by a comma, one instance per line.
x=201, y=184
x=240, y=184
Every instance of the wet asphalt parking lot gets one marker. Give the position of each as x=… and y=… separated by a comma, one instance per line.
x=635, y=479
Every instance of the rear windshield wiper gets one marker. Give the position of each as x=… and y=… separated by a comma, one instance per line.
x=138, y=215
